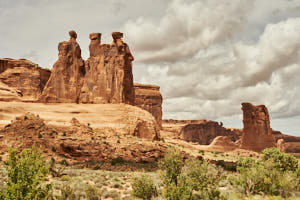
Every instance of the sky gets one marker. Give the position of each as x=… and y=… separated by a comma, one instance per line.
x=207, y=56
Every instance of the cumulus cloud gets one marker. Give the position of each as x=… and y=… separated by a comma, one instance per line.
x=186, y=27
x=209, y=75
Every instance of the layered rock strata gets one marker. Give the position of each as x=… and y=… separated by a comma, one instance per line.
x=205, y=131
x=120, y=119
x=148, y=97
x=108, y=76
x=9, y=94
x=24, y=76
x=257, y=131
x=78, y=140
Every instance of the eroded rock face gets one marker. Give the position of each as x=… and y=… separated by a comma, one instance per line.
x=148, y=97
x=204, y=132
x=9, y=94
x=66, y=78
x=287, y=143
x=257, y=131
x=77, y=140
x=222, y=144
x=24, y=76
x=108, y=76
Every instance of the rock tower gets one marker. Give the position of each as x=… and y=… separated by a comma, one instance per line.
x=257, y=131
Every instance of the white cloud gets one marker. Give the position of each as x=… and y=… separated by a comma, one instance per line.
x=213, y=79
x=186, y=27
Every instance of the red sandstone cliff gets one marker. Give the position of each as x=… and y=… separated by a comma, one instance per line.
x=257, y=131
x=148, y=97
x=67, y=74
x=24, y=76
x=205, y=132
x=108, y=77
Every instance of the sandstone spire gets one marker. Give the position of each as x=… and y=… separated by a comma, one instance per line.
x=257, y=131
x=108, y=76
x=66, y=78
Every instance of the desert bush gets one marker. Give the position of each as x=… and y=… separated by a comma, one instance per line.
x=143, y=187
x=117, y=161
x=194, y=179
x=281, y=161
x=26, y=172
x=171, y=165
x=274, y=174
x=203, y=179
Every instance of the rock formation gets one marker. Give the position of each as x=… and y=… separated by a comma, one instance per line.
x=257, y=131
x=204, y=132
x=287, y=143
x=66, y=78
x=222, y=144
x=3, y=65
x=77, y=140
x=8, y=94
x=121, y=119
x=108, y=76
x=149, y=98
x=24, y=76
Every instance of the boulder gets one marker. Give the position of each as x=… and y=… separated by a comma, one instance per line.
x=65, y=82
x=257, y=131
x=148, y=97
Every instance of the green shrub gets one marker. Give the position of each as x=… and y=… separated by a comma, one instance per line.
x=64, y=162
x=143, y=187
x=195, y=179
x=274, y=174
x=117, y=160
x=171, y=165
x=26, y=172
x=203, y=179
x=282, y=161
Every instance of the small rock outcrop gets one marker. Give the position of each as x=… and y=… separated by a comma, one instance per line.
x=287, y=143
x=24, y=76
x=205, y=131
x=108, y=76
x=257, y=131
x=149, y=98
x=222, y=144
x=67, y=74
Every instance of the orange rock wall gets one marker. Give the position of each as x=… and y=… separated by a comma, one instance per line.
x=24, y=76
x=106, y=77
x=66, y=78
x=205, y=131
x=257, y=131
x=148, y=97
